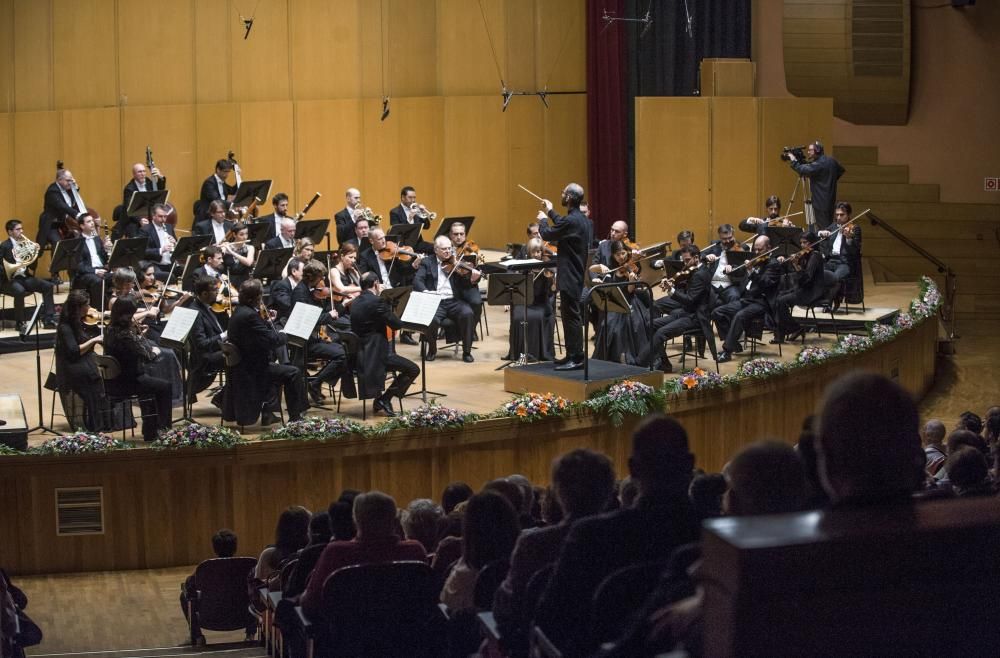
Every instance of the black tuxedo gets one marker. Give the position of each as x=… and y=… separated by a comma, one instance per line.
x=275, y=243
x=692, y=305
x=345, y=226
x=370, y=315
x=398, y=216
x=368, y=261
x=210, y=193
x=153, y=246
x=457, y=309
x=848, y=261
x=132, y=187
x=574, y=233
x=205, y=347
x=205, y=227
x=85, y=276
x=759, y=290
x=284, y=297
x=811, y=286
x=272, y=230
x=20, y=286
x=55, y=211
x=730, y=293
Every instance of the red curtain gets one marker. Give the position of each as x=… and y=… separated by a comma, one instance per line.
x=607, y=116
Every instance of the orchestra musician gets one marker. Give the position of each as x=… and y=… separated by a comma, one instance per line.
x=162, y=239
x=725, y=281
x=684, y=238
x=238, y=254
x=541, y=313
x=346, y=217
x=757, y=297
x=345, y=279
x=325, y=341
x=76, y=369
x=410, y=212
x=370, y=317
x=360, y=239
x=280, y=203
x=574, y=234
x=156, y=293
x=810, y=288
x=213, y=265
x=623, y=336
x=303, y=250
x=469, y=250
x=217, y=225
x=92, y=273
x=759, y=225
x=216, y=188
x=18, y=282
x=390, y=271
x=206, y=336
x=141, y=181
x=841, y=251
x=443, y=276
x=252, y=391
x=289, y=290
x=285, y=238
x=605, y=253
x=62, y=202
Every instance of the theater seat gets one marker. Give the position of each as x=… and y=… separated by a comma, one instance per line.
x=218, y=599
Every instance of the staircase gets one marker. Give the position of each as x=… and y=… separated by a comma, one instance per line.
x=965, y=236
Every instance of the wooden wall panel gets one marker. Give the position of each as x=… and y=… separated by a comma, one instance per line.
x=672, y=168
x=520, y=63
x=561, y=45
x=85, y=53
x=213, y=66
x=37, y=146
x=465, y=59
x=329, y=156
x=267, y=140
x=170, y=132
x=156, y=52
x=6, y=56
x=6, y=166
x=565, y=123
x=33, y=66
x=260, y=63
x=526, y=165
x=406, y=149
x=735, y=174
x=789, y=122
x=217, y=131
x=474, y=171
x=326, y=48
x=412, y=47
x=91, y=149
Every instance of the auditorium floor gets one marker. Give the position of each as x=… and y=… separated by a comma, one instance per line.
x=967, y=380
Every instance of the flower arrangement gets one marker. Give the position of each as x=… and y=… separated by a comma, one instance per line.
x=80, y=442
x=811, y=354
x=697, y=379
x=880, y=333
x=7, y=450
x=759, y=368
x=314, y=428
x=626, y=397
x=533, y=406
x=904, y=321
x=196, y=435
x=853, y=344
x=433, y=415
x=928, y=301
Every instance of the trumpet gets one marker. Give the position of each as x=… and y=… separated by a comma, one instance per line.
x=373, y=219
x=25, y=253
x=421, y=212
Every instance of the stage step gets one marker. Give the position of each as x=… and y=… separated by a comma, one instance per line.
x=856, y=155
x=864, y=195
x=876, y=174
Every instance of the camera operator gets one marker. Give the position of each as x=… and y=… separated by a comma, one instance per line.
x=823, y=173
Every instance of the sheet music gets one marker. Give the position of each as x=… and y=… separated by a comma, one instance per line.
x=179, y=325
x=421, y=308
x=515, y=262
x=302, y=320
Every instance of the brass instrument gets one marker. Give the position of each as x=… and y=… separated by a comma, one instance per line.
x=25, y=253
x=421, y=212
x=373, y=219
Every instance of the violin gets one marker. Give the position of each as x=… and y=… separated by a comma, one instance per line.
x=549, y=249
x=457, y=264
x=391, y=251
x=95, y=318
x=670, y=282
x=153, y=294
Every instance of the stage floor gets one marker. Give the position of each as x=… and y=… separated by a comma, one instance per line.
x=476, y=387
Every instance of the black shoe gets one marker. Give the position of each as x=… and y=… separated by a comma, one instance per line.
x=267, y=418
x=381, y=406
x=826, y=309
x=406, y=338
x=724, y=356
x=467, y=357
x=795, y=335
x=836, y=305
x=738, y=349
x=315, y=388
x=570, y=365
x=777, y=340
x=49, y=324
x=667, y=367
x=431, y=355
x=562, y=361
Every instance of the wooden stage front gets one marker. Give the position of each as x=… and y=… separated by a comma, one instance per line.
x=160, y=508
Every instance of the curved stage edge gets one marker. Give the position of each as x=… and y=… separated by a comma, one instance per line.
x=161, y=508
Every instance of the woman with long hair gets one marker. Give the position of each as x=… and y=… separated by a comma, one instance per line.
x=345, y=278
x=238, y=255
x=76, y=369
x=540, y=317
x=136, y=356
x=622, y=337
x=290, y=535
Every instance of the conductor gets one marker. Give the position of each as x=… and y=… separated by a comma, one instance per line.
x=574, y=234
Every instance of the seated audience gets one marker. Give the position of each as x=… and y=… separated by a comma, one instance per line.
x=320, y=534
x=422, y=521
x=290, y=535
x=342, y=519
x=223, y=545
x=934, y=449
x=969, y=473
x=453, y=494
x=706, y=492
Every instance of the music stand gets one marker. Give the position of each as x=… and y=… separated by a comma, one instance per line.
x=444, y=228
x=405, y=235
x=396, y=297
x=737, y=258
x=141, y=204
x=127, y=252
x=250, y=190
x=270, y=263
x=65, y=255
x=32, y=326
x=314, y=229
x=609, y=300
x=513, y=290
x=257, y=233
x=421, y=329
x=190, y=245
x=786, y=238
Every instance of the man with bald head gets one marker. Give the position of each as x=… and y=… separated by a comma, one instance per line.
x=284, y=239
x=934, y=450
x=757, y=294
x=345, y=218
x=619, y=232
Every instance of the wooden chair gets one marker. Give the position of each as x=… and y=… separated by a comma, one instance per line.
x=219, y=600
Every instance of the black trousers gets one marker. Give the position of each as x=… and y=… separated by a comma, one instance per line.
x=335, y=357
x=154, y=400
x=289, y=378
x=572, y=321
x=665, y=328
x=727, y=295
x=461, y=314
x=202, y=375
x=20, y=287
x=406, y=372
x=732, y=318
x=92, y=284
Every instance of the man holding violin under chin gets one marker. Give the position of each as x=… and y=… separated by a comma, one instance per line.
x=446, y=275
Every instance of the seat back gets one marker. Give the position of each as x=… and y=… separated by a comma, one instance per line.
x=619, y=596
x=487, y=583
x=223, y=602
x=384, y=609
x=854, y=288
x=231, y=354
x=107, y=366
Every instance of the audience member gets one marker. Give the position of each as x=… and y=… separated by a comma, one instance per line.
x=290, y=535
x=489, y=532
x=223, y=545
x=453, y=494
x=992, y=429
x=320, y=534
x=341, y=520
x=528, y=520
x=507, y=489
x=969, y=473
x=970, y=421
x=934, y=449
x=806, y=448
x=628, y=491
x=549, y=508
x=422, y=521
x=766, y=477
x=376, y=541
x=661, y=520
x=706, y=492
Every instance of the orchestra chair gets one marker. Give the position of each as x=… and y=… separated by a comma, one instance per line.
x=232, y=356
x=852, y=291
x=379, y=609
x=754, y=333
x=619, y=596
x=109, y=369
x=351, y=343
x=3, y=307
x=218, y=599
x=686, y=347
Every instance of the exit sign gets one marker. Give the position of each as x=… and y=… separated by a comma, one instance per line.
x=991, y=184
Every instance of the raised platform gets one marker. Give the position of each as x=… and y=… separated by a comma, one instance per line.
x=570, y=384
x=845, y=320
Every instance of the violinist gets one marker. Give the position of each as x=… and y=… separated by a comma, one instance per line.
x=388, y=264
x=92, y=271
x=213, y=262
x=623, y=336
x=468, y=251
x=692, y=310
x=757, y=297
x=238, y=254
x=76, y=369
x=842, y=251
x=772, y=217
x=324, y=342
x=810, y=287
x=217, y=225
x=156, y=293
x=541, y=313
x=286, y=292
x=206, y=337
x=725, y=281
x=345, y=279
x=63, y=207
x=605, y=253
x=684, y=238
x=444, y=276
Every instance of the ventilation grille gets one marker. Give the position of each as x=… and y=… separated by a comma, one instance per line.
x=877, y=38
x=80, y=511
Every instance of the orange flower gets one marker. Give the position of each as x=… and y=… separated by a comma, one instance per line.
x=544, y=408
x=690, y=381
x=521, y=410
x=699, y=372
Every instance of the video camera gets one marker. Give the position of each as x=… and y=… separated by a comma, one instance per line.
x=798, y=151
